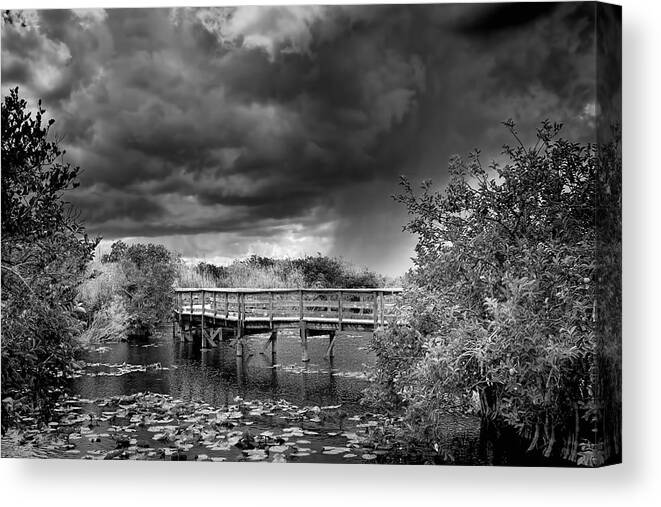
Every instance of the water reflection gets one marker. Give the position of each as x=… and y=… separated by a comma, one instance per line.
x=217, y=375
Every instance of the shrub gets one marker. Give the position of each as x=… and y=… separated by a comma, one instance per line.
x=149, y=274
x=103, y=283
x=44, y=254
x=323, y=271
x=108, y=324
x=503, y=297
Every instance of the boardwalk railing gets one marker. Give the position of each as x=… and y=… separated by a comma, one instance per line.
x=343, y=307
x=256, y=311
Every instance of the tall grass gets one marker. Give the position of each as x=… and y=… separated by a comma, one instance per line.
x=189, y=276
x=100, y=295
x=108, y=324
x=282, y=274
x=103, y=281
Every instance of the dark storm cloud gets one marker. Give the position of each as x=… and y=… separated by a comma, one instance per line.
x=291, y=124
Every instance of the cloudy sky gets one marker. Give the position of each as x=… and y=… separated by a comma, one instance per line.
x=282, y=131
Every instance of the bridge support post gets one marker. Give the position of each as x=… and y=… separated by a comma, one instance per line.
x=272, y=341
x=213, y=334
x=180, y=310
x=187, y=334
x=239, y=342
x=209, y=337
x=304, y=341
x=330, y=352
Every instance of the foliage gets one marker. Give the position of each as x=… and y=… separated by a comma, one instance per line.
x=200, y=275
x=44, y=253
x=104, y=281
x=116, y=254
x=108, y=324
x=149, y=272
x=503, y=296
x=262, y=272
x=100, y=295
x=210, y=271
x=265, y=272
x=323, y=271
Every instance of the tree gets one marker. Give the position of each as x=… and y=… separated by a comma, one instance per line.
x=503, y=297
x=44, y=254
x=149, y=273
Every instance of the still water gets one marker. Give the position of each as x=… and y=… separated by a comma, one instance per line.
x=217, y=376
x=164, y=399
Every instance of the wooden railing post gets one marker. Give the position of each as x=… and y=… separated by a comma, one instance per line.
x=339, y=309
x=191, y=306
x=227, y=305
x=271, y=309
x=381, y=307
x=203, y=338
x=214, y=306
x=375, y=305
x=300, y=304
x=240, y=303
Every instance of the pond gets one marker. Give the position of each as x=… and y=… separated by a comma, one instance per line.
x=164, y=399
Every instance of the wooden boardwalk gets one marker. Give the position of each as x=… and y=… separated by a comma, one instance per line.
x=242, y=312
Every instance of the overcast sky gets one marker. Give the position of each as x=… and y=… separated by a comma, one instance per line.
x=282, y=131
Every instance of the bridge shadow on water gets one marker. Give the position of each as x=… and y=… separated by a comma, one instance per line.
x=217, y=376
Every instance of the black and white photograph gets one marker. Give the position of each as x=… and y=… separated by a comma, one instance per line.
x=313, y=234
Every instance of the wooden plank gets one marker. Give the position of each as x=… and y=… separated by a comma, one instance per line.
x=355, y=305
x=236, y=290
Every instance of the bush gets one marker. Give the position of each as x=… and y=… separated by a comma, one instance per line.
x=108, y=324
x=503, y=297
x=149, y=272
x=103, y=283
x=323, y=271
x=44, y=254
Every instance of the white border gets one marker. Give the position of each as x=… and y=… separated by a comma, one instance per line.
x=636, y=482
